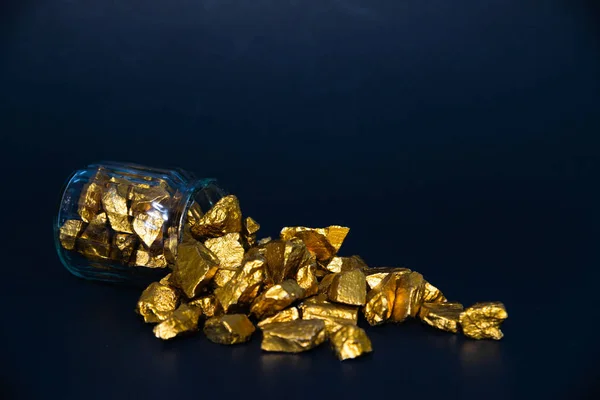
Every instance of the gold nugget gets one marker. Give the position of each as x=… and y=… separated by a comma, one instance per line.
x=209, y=305
x=293, y=336
x=350, y=342
x=442, y=316
x=307, y=279
x=224, y=217
x=228, y=250
x=284, y=258
x=114, y=202
x=244, y=285
x=145, y=258
x=409, y=296
x=69, y=232
x=333, y=315
x=123, y=246
x=431, y=294
x=376, y=275
x=148, y=226
x=90, y=202
x=149, y=198
x=250, y=229
x=194, y=268
x=229, y=329
x=223, y=276
x=183, y=320
x=349, y=287
x=170, y=245
x=380, y=300
x=483, y=320
x=289, y=314
x=276, y=298
x=94, y=242
x=341, y=264
x=157, y=302
x=324, y=243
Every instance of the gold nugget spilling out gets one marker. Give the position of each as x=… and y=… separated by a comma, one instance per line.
x=295, y=289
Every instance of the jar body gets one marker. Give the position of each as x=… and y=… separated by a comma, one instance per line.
x=121, y=222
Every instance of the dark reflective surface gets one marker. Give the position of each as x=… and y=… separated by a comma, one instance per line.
x=457, y=138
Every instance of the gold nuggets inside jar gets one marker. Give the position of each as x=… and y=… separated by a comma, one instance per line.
x=124, y=222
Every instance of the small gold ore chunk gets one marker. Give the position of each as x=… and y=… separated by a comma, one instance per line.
x=229, y=329
x=224, y=217
x=289, y=314
x=349, y=287
x=276, y=298
x=194, y=268
x=157, y=302
x=293, y=336
x=483, y=320
x=442, y=316
x=350, y=341
x=183, y=320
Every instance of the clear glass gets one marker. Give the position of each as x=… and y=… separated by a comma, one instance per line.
x=120, y=222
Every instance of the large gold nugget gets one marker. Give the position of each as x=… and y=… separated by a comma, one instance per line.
x=380, y=300
x=350, y=342
x=376, y=275
x=229, y=329
x=90, y=202
x=284, y=258
x=333, y=315
x=144, y=258
x=228, y=250
x=94, y=242
x=157, y=302
x=148, y=226
x=442, y=316
x=224, y=217
x=194, y=268
x=183, y=320
x=114, y=202
x=276, y=298
x=307, y=279
x=483, y=320
x=431, y=294
x=409, y=296
x=349, y=287
x=209, y=305
x=341, y=264
x=293, y=336
x=69, y=232
x=244, y=285
x=289, y=314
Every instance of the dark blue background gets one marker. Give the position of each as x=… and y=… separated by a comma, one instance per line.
x=454, y=137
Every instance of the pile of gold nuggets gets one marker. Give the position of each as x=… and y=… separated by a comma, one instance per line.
x=295, y=289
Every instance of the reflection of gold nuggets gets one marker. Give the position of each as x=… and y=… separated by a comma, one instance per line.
x=349, y=287
x=194, y=268
x=276, y=298
x=229, y=329
x=194, y=214
x=114, y=202
x=293, y=336
x=183, y=320
x=69, y=232
x=228, y=250
x=442, y=316
x=94, y=242
x=350, y=342
x=144, y=199
x=148, y=226
x=483, y=320
x=289, y=314
x=224, y=217
x=157, y=302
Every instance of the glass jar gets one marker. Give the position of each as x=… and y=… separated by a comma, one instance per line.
x=121, y=222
